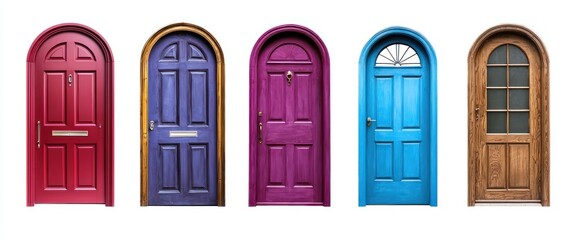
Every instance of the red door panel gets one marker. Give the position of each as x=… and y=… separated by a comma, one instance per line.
x=69, y=83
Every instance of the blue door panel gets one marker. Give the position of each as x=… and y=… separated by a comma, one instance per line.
x=396, y=120
x=182, y=101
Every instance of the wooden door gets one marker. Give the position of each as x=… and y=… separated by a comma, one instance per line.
x=182, y=149
x=508, y=120
x=70, y=120
x=397, y=124
x=290, y=166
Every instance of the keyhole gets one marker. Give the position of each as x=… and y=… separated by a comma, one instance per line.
x=69, y=80
x=289, y=75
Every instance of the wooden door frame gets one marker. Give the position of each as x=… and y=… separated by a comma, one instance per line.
x=404, y=33
x=308, y=34
x=473, y=136
x=108, y=108
x=220, y=74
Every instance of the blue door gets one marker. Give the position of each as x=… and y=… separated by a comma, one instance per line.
x=397, y=122
x=182, y=121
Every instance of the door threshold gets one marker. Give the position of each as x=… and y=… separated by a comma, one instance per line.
x=508, y=204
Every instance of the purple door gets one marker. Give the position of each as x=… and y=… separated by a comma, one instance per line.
x=182, y=121
x=289, y=139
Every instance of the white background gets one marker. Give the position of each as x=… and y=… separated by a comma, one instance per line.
x=345, y=28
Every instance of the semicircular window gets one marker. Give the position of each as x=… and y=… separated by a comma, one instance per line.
x=398, y=55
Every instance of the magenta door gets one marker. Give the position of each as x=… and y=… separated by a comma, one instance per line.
x=288, y=165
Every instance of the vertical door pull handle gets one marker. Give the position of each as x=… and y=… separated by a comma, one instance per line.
x=260, y=132
x=38, y=134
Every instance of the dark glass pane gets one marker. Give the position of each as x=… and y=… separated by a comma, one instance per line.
x=496, y=122
x=496, y=76
x=498, y=56
x=519, y=122
x=496, y=99
x=517, y=56
x=519, y=76
x=519, y=99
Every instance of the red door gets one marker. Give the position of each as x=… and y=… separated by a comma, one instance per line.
x=69, y=87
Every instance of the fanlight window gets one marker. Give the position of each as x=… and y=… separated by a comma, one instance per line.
x=398, y=55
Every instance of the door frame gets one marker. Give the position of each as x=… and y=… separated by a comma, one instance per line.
x=220, y=74
x=311, y=36
x=108, y=108
x=404, y=33
x=473, y=136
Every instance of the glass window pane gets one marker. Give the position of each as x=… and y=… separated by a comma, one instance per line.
x=519, y=76
x=519, y=122
x=496, y=122
x=519, y=99
x=498, y=56
x=496, y=76
x=496, y=99
x=517, y=56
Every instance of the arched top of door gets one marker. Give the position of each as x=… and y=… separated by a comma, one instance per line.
x=70, y=27
x=292, y=28
x=398, y=32
x=509, y=29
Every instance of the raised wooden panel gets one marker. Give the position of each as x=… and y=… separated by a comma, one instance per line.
x=410, y=160
x=194, y=53
x=85, y=161
x=496, y=166
x=55, y=167
x=303, y=96
x=57, y=53
x=170, y=53
x=384, y=102
x=170, y=169
x=199, y=167
x=411, y=102
x=289, y=52
x=83, y=53
x=198, y=93
x=519, y=172
x=277, y=85
x=277, y=166
x=55, y=97
x=384, y=161
x=169, y=97
x=85, y=98
x=304, y=160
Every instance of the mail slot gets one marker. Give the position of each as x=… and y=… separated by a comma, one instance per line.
x=183, y=134
x=61, y=133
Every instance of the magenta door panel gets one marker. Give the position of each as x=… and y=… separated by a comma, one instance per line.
x=289, y=107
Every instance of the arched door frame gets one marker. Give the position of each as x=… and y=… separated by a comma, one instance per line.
x=404, y=33
x=253, y=102
x=108, y=108
x=220, y=62
x=544, y=106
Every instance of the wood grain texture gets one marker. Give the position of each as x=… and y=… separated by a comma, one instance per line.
x=106, y=126
x=527, y=163
x=186, y=27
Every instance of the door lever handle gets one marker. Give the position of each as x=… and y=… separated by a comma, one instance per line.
x=260, y=132
x=369, y=120
x=152, y=125
x=38, y=134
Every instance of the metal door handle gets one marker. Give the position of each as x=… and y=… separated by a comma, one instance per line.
x=260, y=132
x=477, y=114
x=369, y=120
x=152, y=125
x=289, y=76
x=69, y=80
x=38, y=134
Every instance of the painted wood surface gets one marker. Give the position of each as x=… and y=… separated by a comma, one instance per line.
x=290, y=161
x=398, y=120
x=182, y=161
x=508, y=155
x=70, y=92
